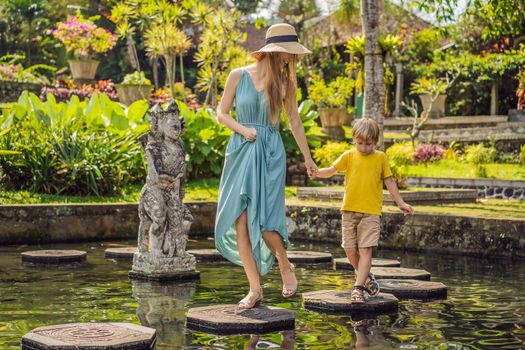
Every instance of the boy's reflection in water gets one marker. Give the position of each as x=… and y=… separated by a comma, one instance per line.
x=287, y=341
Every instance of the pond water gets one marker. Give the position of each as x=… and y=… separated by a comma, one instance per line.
x=485, y=308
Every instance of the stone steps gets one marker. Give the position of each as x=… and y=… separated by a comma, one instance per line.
x=414, y=197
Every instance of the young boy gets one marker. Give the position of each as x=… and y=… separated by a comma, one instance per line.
x=365, y=172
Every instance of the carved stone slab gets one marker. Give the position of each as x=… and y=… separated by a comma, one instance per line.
x=308, y=257
x=90, y=336
x=338, y=301
x=154, y=268
x=207, y=255
x=344, y=264
x=53, y=256
x=121, y=253
x=414, y=289
x=222, y=319
x=400, y=273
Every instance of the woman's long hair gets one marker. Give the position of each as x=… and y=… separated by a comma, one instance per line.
x=281, y=84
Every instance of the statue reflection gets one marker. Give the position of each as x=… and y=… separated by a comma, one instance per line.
x=161, y=306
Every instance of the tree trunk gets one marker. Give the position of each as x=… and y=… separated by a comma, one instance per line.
x=374, y=102
x=181, y=65
x=28, y=44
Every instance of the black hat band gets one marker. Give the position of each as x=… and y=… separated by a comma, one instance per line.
x=282, y=39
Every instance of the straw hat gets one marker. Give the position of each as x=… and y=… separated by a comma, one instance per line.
x=281, y=37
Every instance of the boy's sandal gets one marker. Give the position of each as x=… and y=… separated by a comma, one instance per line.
x=373, y=285
x=359, y=294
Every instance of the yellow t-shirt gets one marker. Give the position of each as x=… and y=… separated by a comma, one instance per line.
x=364, y=176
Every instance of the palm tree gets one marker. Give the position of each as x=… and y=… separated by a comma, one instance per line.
x=28, y=10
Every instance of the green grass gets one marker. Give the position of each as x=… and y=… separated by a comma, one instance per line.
x=452, y=168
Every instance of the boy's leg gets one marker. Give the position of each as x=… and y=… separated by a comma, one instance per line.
x=365, y=262
x=368, y=232
x=353, y=256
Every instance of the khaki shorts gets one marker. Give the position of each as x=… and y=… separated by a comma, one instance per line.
x=360, y=230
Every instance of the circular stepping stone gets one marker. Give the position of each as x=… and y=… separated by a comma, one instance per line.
x=54, y=257
x=222, y=319
x=207, y=255
x=90, y=336
x=413, y=289
x=338, y=301
x=344, y=264
x=123, y=253
x=308, y=257
x=400, y=273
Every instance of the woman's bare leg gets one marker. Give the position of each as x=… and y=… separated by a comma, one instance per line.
x=245, y=252
x=275, y=242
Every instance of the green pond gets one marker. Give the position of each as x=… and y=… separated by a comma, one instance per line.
x=485, y=308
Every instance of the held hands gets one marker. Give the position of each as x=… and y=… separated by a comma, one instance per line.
x=311, y=168
x=250, y=134
x=406, y=209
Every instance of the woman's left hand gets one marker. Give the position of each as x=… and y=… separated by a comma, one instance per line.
x=311, y=168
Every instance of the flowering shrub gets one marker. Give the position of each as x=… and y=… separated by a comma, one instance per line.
x=11, y=70
x=65, y=89
x=427, y=153
x=84, y=38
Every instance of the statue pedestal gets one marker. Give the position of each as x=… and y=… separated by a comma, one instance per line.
x=158, y=268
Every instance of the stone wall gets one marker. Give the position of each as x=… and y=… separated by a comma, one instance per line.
x=31, y=224
x=421, y=232
x=487, y=188
x=11, y=90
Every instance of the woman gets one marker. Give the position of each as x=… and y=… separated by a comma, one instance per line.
x=250, y=229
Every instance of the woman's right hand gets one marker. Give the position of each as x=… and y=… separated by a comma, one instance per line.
x=250, y=134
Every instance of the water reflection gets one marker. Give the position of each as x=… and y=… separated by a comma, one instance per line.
x=162, y=306
x=287, y=342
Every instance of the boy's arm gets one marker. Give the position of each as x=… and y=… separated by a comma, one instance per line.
x=326, y=172
x=396, y=196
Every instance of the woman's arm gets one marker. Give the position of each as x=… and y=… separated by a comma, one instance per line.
x=296, y=125
x=226, y=104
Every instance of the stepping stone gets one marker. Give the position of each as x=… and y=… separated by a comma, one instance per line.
x=344, y=264
x=207, y=255
x=413, y=289
x=308, y=257
x=90, y=336
x=338, y=301
x=53, y=256
x=222, y=319
x=400, y=273
x=123, y=253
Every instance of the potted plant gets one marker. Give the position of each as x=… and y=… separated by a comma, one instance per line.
x=518, y=114
x=332, y=102
x=135, y=86
x=431, y=92
x=83, y=39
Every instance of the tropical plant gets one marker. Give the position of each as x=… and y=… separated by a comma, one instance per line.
x=328, y=153
x=335, y=94
x=479, y=154
x=399, y=156
x=78, y=147
x=63, y=90
x=82, y=37
x=311, y=129
x=428, y=153
x=28, y=10
x=521, y=90
x=219, y=50
x=136, y=78
x=522, y=154
x=205, y=141
x=11, y=69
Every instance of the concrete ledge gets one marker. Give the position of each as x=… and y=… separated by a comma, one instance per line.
x=31, y=224
x=413, y=197
x=451, y=122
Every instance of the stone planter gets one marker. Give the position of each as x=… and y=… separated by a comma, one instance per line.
x=127, y=93
x=332, y=120
x=516, y=115
x=11, y=90
x=83, y=69
x=438, y=107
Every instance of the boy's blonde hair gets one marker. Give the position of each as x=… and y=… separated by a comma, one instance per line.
x=366, y=129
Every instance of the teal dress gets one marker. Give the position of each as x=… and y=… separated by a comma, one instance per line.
x=253, y=179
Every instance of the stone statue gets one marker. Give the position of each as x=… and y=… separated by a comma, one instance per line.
x=164, y=219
